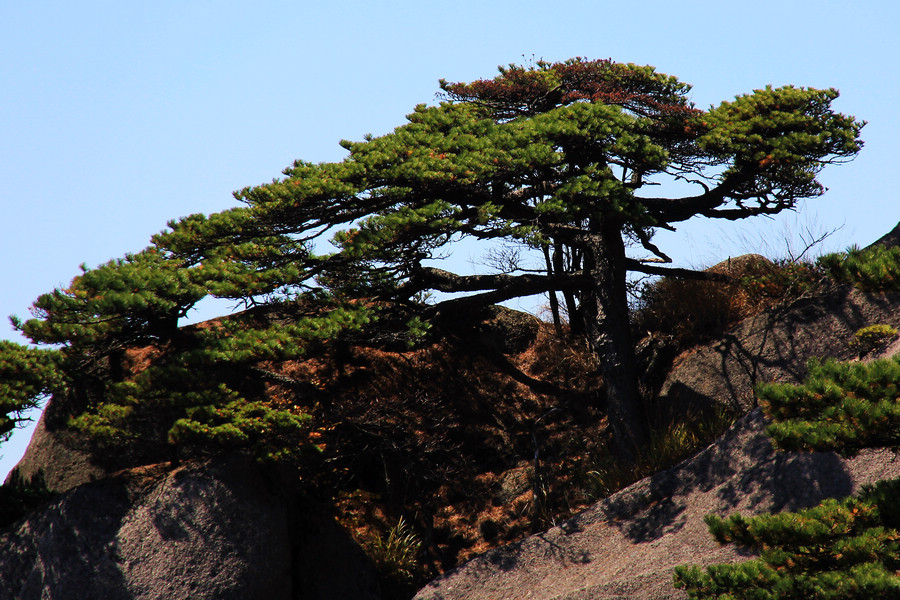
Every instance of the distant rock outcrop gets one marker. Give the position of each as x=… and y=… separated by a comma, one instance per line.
x=890, y=239
x=59, y=457
x=215, y=529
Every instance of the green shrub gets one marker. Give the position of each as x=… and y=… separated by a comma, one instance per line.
x=841, y=406
x=872, y=338
x=27, y=377
x=840, y=549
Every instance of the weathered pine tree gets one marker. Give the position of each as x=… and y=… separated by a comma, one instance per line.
x=558, y=158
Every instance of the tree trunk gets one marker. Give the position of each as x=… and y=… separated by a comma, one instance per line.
x=554, y=302
x=607, y=323
x=576, y=324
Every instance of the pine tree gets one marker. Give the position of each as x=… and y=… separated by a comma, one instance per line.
x=27, y=377
x=548, y=157
x=873, y=269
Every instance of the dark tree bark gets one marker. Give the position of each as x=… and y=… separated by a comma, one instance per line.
x=609, y=332
x=554, y=301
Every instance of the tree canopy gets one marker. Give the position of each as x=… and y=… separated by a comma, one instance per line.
x=559, y=158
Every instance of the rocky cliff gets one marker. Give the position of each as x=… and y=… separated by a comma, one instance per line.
x=627, y=546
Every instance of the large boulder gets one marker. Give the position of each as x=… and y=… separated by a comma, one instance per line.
x=214, y=529
x=775, y=346
x=626, y=547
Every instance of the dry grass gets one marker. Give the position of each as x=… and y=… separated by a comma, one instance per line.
x=462, y=448
x=668, y=446
x=694, y=312
x=473, y=448
x=445, y=436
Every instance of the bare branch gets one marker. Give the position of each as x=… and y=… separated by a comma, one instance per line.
x=647, y=244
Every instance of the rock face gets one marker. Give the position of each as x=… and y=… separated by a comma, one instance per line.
x=891, y=238
x=775, y=346
x=628, y=545
x=225, y=529
x=58, y=457
x=217, y=529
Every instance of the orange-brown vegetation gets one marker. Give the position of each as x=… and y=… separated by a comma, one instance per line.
x=448, y=436
x=694, y=311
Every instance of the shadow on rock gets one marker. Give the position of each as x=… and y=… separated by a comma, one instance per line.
x=743, y=470
x=68, y=549
x=775, y=346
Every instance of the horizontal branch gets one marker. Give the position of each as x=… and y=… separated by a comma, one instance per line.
x=673, y=210
x=502, y=287
x=495, y=288
x=429, y=278
x=634, y=265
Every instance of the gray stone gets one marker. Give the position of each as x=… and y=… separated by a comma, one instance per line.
x=58, y=456
x=216, y=529
x=509, y=331
x=627, y=546
x=775, y=346
x=890, y=239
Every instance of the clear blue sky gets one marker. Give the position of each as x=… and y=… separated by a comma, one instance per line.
x=118, y=116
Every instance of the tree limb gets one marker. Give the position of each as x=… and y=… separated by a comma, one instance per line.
x=634, y=265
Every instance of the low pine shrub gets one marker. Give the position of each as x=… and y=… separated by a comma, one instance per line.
x=873, y=337
x=873, y=269
x=839, y=549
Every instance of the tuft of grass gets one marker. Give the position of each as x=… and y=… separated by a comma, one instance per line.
x=395, y=552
